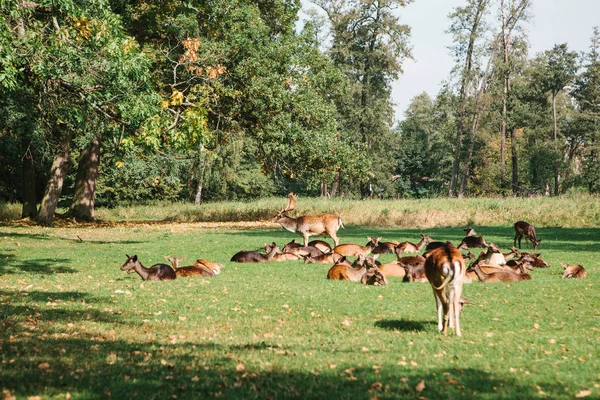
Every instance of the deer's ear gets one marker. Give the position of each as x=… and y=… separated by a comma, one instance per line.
x=127, y=255
x=135, y=258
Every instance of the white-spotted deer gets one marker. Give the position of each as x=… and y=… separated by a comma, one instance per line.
x=192, y=270
x=355, y=249
x=445, y=269
x=157, y=272
x=408, y=247
x=523, y=229
x=309, y=225
x=255, y=256
x=573, y=271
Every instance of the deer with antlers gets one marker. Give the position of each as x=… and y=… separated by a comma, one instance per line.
x=309, y=225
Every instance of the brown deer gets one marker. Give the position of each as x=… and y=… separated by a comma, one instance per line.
x=213, y=266
x=573, y=271
x=415, y=274
x=304, y=251
x=499, y=276
x=373, y=277
x=157, y=272
x=309, y=225
x=321, y=245
x=254, y=256
x=445, y=270
x=385, y=247
x=492, y=255
x=514, y=252
x=192, y=270
x=291, y=245
x=530, y=261
x=329, y=258
x=281, y=256
x=470, y=242
x=349, y=249
x=523, y=229
x=408, y=247
x=470, y=232
x=342, y=272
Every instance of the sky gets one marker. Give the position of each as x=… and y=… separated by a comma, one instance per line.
x=553, y=22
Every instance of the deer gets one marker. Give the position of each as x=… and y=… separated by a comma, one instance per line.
x=514, y=252
x=192, y=270
x=321, y=245
x=445, y=270
x=342, y=272
x=530, y=261
x=329, y=258
x=285, y=256
x=309, y=225
x=255, y=256
x=573, y=271
x=523, y=229
x=492, y=255
x=213, y=266
x=355, y=249
x=385, y=247
x=303, y=251
x=291, y=245
x=470, y=242
x=157, y=272
x=374, y=277
x=470, y=231
x=499, y=276
x=408, y=247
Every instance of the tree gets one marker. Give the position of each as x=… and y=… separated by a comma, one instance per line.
x=560, y=70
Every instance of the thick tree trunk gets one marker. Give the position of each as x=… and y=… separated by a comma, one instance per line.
x=82, y=208
x=555, y=136
x=60, y=167
x=29, y=209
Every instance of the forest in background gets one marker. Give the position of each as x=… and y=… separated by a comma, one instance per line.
x=105, y=103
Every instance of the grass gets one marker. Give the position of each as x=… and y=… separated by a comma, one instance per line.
x=73, y=326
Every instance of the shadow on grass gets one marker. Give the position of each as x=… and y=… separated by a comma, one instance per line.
x=46, y=236
x=404, y=325
x=42, y=266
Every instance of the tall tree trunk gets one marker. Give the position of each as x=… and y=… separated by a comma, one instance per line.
x=514, y=162
x=29, y=209
x=60, y=167
x=202, y=162
x=82, y=208
x=336, y=184
x=555, y=137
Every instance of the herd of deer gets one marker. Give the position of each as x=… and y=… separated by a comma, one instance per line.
x=442, y=264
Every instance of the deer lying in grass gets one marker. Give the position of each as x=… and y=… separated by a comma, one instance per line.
x=498, y=276
x=445, y=270
x=342, y=272
x=304, y=251
x=291, y=245
x=400, y=267
x=330, y=258
x=157, y=272
x=385, y=247
x=470, y=242
x=374, y=277
x=408, y=247
x=309, y=225
x=530, y=261
x=213, y=266
x=355, y=249
x=254, y=256
x=192, y=270
x=281, y=256
x=470, y=231
x=573, y=271
x=321, y=245
x=492, y=255
x=523, y=229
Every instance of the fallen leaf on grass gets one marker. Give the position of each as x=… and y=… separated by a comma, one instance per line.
x=240, y=367
x=420, y=386
x=583, y=393
x=44, y=365
x=346, y=322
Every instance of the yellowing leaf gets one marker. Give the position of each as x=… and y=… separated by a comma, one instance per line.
x=583, y=393
x=420, y=386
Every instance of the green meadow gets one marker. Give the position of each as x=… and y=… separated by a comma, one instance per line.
x=73, y=326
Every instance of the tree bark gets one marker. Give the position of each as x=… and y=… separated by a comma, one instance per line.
x=60, y=167
x=82, y=208
x=555, y=136
x=514, y=162
x=29, y=209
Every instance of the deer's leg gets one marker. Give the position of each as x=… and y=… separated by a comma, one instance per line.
x=515, y=241
x=333, y=235
x=438, y=302
x=305, y=235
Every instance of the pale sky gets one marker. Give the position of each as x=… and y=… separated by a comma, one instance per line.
x=553, y=22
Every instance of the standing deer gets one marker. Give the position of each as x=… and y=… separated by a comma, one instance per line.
x=573, y=271
x=157, y=272
x=309, y=225
x=522, y=228
x=445, y=269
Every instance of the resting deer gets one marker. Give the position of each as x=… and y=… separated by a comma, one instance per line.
x=255, y=256
x=157, y=272
x=492, y=255
x=445, y=270
x=522, y=228
x=385, y=247
x=321, y=245
x=342, y=272
x=408, y=247
x=470, y=242
x=193, y=270
x=355, y=249
x=374, y=277
x=573, y=271
x=470, y=232
x=499, y=276
x=530, y=261
x=309, y=225
x=291, y=245
x=213, y=266
x=281, y=256
x=304, y=251
x=329, y=258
